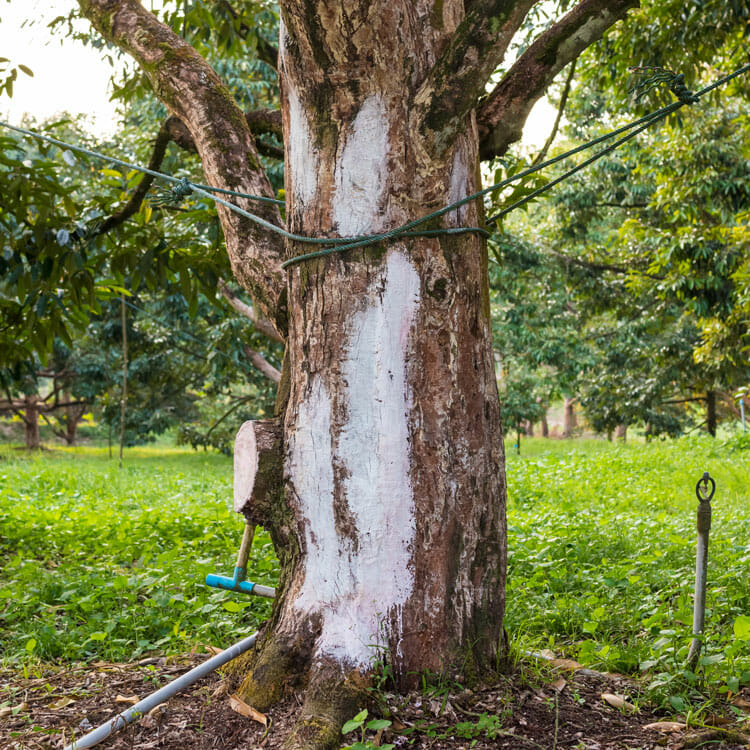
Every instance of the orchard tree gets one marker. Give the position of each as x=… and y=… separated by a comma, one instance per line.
x=383, y=473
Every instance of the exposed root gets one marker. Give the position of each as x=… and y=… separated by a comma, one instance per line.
x=268, y=673
x=332, y=698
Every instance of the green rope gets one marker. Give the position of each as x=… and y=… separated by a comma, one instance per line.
x=410, y=229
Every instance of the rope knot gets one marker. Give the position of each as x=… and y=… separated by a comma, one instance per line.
x=173, y=195
x=675, y=82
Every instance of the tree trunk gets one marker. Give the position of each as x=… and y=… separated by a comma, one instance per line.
x=390, y=520
x=73, y=415
x=545, y=426
x=711, y=413
x=529, y=428
x=393, y=527
x=621, y=433
x=569, y=417
x=31, y=423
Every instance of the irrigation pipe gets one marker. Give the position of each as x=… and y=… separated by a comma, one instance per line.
x=162, y=695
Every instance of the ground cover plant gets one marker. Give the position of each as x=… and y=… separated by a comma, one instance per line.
x=100, y=561
x=602, y=558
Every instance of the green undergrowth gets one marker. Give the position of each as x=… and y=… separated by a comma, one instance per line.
x=108, y=562
x=601, y=565
x=99, y=561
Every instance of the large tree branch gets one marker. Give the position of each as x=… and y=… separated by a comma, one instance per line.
x=502, y=115
x=460, y=75
x=194, y=93
x=249, y=312
x=260, y=122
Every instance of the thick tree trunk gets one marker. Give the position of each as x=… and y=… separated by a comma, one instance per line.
x=545, y=427
x=711, y=413
x=621, y=433
x=73, y=415
x=569, y=417
x=393, y=524
x=31, y=423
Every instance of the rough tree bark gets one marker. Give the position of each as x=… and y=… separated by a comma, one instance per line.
x=30, y=417
x=569, y=416
x=389, y=515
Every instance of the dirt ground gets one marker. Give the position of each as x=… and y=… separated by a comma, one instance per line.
x=546, y=708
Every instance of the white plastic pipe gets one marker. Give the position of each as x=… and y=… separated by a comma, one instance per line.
x=95, y=736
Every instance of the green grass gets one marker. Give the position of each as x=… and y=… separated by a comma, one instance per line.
x=98, y=561
x=601, y=568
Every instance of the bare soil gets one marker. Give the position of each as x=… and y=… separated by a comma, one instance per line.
x=535, y=708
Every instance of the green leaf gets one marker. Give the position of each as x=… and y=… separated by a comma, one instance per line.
x=24, y=69
x=231, y=606
x=98, y=636
x=742, y=628
x=31, y=645
x=350, y=726
x=377, y=724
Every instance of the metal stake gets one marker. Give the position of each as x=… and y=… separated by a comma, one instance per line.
x=701, y=566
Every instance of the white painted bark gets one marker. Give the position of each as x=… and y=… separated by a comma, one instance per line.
x=358, y=582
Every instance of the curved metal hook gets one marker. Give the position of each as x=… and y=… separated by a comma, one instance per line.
x=702, y=493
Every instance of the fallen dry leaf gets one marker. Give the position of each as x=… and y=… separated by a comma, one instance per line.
x=8, y=710
x=617, y=701
x=129, y=699
x=237, y=704
x=558, y=685
x=741, y=702
x=566, y=664
x=158, y=710
x=548, y=654
x=666, y=726
x=213, y=650
x=61, y=702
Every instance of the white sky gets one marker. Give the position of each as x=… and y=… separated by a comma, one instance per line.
x=75, y=78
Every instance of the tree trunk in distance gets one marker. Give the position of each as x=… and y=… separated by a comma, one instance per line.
x=569, y=417
x=31, y=423
x=529, y=428
x=545, y=426
x=621, y=433
x=711, y=413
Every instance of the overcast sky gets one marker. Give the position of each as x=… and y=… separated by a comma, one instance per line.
x=71, y=77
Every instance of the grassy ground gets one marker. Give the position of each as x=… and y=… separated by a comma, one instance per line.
x=98, y=561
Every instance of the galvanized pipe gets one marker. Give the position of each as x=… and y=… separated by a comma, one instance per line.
x=701, y=566
x=95, y=736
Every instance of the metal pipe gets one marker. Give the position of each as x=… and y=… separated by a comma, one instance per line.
x=95, y=736
x=237, y=582
x=701, y=566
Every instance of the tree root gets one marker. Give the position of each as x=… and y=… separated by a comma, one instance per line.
x=332, y=698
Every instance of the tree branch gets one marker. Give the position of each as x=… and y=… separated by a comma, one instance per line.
x=260, y=122
x=261, y=363
x=194, y=93
x=540, y=157
x=460, y=75
x=248, y=311
x=134, y=202
x=502, y=115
